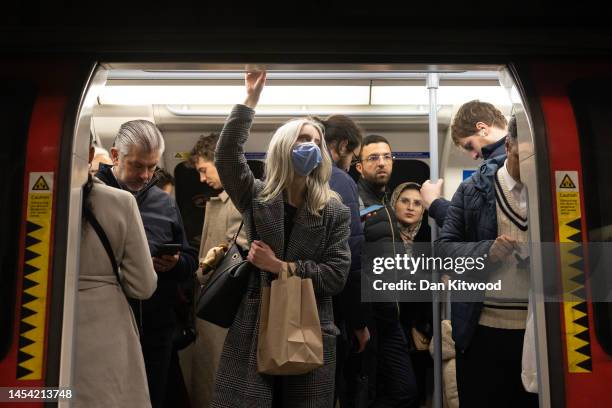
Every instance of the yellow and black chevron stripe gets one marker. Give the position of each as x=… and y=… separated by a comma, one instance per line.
x=33, y=302
x=575, y=308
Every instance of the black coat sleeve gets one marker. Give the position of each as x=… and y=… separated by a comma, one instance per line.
x=454, y=240
x=438, y=210
x=353, y=310
x=188, y=259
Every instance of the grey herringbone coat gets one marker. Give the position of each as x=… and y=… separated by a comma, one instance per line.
x=319, y=247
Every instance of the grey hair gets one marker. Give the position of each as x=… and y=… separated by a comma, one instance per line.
x=279, y=169
x=141, y=133
x=512, y=133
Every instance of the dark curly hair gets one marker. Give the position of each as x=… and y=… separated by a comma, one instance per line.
x=339, y=128
x=204, y=148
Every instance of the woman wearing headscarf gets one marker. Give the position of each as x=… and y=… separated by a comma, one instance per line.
x=416, y=317
x=294, y=222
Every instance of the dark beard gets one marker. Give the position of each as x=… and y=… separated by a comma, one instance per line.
x=374, y=181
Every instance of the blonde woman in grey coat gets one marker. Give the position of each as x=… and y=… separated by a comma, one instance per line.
x=294, y=221
x=109, y=367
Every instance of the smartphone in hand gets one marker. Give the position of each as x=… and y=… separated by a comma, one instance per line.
x=168, y=249
x=369, y=210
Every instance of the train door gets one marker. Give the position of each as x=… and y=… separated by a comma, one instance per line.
x=572, y=118
x=37, y=97
x=393, y=97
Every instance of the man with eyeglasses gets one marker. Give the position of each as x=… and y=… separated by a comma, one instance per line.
x=479, y=129
x=135, y=154
x=391, y=374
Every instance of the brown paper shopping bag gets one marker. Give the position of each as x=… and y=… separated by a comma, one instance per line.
x=290, y=340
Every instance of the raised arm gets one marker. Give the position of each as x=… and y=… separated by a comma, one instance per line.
x=234, y=172
x=434, y=202
x=438, y=210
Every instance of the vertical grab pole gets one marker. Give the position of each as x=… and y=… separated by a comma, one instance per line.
x=433, y=81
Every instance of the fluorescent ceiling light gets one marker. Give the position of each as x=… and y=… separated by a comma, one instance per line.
x=447, y=95
x=317, y=111
x=349, y=95
x=296, y=75
x=229, y=95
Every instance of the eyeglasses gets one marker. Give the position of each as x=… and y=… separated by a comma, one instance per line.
x=374, y=158
x=406, y=201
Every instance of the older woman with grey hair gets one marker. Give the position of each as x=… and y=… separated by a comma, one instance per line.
x=294, y=222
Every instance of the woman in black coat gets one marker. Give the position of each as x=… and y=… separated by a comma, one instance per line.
x=416, y=317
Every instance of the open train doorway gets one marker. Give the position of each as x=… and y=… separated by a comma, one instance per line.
x=186, y=101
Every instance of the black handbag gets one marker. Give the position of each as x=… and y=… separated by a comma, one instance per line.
x=220, y=297
x=185, y=331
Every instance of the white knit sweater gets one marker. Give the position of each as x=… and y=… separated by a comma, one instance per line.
x=507, y=309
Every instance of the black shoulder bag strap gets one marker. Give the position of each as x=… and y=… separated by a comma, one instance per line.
x=237, y=232
x=89, y=216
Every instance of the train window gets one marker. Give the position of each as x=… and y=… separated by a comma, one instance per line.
x=191, y=197
x=16, y=102
x=593, y=109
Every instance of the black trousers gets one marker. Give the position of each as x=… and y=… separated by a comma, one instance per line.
x=351, y=375
x=176, y=391
x=157, y=350
x=489, y=371
x=392, y=379
x=422, y=363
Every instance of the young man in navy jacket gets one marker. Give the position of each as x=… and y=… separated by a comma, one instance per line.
x=487, y=218
x=480, y=130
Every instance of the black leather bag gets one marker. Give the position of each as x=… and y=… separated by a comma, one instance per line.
x=220, y=297
x=184, y=308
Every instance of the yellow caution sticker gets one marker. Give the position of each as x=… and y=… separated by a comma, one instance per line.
x=30, y=357
x=182, y=155
x=567, y=182
x=575, y=308
x=41, y=184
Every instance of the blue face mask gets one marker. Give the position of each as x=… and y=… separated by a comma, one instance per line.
x=306, y=157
